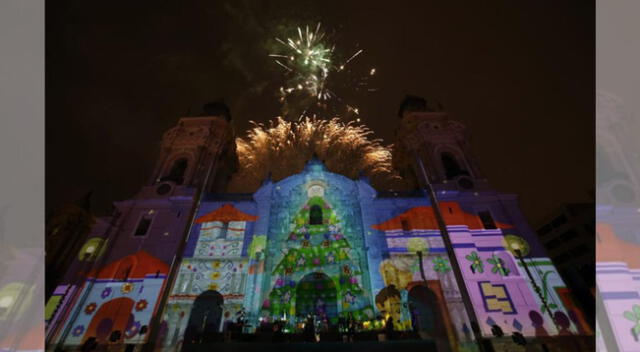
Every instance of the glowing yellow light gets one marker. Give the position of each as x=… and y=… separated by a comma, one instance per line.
x=372, y=72
x=6, y=302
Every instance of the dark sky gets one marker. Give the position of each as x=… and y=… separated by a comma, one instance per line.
x=519, y=74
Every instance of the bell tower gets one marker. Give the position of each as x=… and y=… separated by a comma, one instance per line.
x=428, y=134
x=187, y=150
x=147, y=230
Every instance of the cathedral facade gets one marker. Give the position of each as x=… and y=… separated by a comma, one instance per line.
x=175, y=264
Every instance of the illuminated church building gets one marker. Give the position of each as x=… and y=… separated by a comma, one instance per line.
x=314, y=243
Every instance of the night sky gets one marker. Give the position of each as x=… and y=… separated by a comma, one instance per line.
x=519, y=74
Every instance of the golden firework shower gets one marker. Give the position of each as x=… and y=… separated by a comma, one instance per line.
x=282, y=149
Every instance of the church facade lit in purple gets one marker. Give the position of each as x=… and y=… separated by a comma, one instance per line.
x=176, y=267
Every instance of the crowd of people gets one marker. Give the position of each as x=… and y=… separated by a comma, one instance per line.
x=313, y=326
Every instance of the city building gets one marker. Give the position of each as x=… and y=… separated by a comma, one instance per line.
x=568, y=236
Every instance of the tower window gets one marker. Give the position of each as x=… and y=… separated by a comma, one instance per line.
x=176, y=174
x=451, y=167
x=223, y=230
x=143, y=225
x=487, y=220
x=315, y=215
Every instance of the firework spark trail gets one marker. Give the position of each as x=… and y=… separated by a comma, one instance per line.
x=354, y=56
x=309, y=62
x=282, y=149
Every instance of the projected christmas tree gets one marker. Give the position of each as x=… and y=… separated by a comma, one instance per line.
x=317, y=254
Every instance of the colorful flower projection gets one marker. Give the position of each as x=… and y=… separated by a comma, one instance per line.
x=476, y=262
x=214, y=275
x=126, y=288
x=634, y=316
x=498, y=265
x=106, y=292
x=441, y=265
x=78, y=330
x=141, y=305
x=90, y=308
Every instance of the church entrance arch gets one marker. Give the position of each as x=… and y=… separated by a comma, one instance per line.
x=426, y=316
x=316, y=294
x=205, y=318
x=111, y=316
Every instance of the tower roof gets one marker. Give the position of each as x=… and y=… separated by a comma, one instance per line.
x=412, y=103
x=85, y=201
x=611, y=248
x=217, y=108
x=226, y=213
x=142, y=264
x=424, y=218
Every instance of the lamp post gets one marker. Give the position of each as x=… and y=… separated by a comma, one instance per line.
x=457, y=272
x=518, y=251
x=419, y=246
x=422, y=275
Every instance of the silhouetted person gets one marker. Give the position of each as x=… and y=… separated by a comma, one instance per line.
x=89, y=345
x=309, y=330
x=389, y=328
x=351, y=327
x=278, y=333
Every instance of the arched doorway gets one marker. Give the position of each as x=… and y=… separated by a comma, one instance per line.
x=316, y=294
x=111, y=316
x=425, y=313
x=315, y=215
x=205, y=317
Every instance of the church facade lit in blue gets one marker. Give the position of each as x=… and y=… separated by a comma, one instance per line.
x=314, y=244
